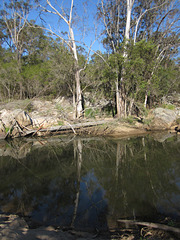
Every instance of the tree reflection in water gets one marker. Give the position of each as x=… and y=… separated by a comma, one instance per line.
x=90, y=182
x=78, y=159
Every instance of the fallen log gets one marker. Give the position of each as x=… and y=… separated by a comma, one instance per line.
x=63, y=128
x=150, y=225
x=74, y=126
x=38, y=129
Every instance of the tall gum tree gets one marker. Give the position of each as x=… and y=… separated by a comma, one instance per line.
x=113, y=14
x=122, y=96
x=15, y=14
x=68, y=20
x=107, y=11
x=136, y=20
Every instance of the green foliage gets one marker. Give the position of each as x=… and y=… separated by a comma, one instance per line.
x=139, y=67
x=178, y=121
x=59, y=107
x=168, y=106
x=36, y=78
x=129, y=120
x=168, y=73
x=46, y=68
x=91, y=112
x=141, y=109
x=115, y=61
x=147, y=121
x=7, y=129
x=99, y=77
x=171, y=223
x=60, y=123
x=9, y=75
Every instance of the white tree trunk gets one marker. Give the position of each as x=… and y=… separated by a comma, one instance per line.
x=78, y=111
x=77, y=157
x=128, y=18
x=79, y=108
x=117, y=98
x=130, y=107
x=145, y=100
x=126, y=36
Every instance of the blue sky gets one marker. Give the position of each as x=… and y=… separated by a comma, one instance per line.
x=86, y=28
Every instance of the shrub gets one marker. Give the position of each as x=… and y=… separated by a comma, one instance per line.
x=91, y=112
x=168, y=106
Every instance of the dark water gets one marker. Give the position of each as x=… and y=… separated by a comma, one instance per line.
x=89, y=183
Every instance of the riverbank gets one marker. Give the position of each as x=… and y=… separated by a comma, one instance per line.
x=16, y=228
x=42, y=118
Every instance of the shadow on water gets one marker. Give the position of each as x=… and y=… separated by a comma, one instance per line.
x=89, y=183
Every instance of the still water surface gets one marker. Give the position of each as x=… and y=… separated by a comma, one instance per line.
x=89, y=183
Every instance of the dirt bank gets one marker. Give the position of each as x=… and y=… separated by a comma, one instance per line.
x=13, y=227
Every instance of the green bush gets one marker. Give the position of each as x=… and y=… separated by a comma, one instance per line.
x=147, y=121
x=168, y=106
x=178, y=121
x=60, y=123
x=7, y=129
x=91, y=112
x=129, y=120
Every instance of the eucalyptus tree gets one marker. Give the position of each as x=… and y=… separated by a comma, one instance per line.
x=161, y=19
x=128, y=21
x=36, y=65
x=62, y=69
x=14, y=16
x=97, y=77
x=23, y=65
x=8, y=75
x=116, y=16
x=67, y=17
x=112, y=13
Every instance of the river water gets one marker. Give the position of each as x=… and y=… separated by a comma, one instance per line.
x=89, y=183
